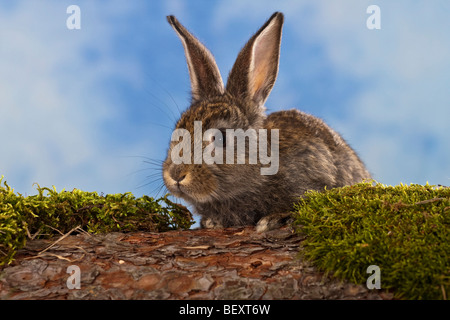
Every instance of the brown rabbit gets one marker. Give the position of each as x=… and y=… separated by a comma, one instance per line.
x=311, y=155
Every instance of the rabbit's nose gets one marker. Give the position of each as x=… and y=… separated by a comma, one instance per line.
x=181, y=178
x=177, y=175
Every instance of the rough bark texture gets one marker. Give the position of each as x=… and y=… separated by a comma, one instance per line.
x=233, y=263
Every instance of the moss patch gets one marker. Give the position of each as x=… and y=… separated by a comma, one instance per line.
x=50, y=212
x=403, y=229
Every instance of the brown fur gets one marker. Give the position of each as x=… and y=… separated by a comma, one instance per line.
x=311, y=155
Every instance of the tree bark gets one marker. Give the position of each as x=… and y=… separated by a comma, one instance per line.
x=232, y=263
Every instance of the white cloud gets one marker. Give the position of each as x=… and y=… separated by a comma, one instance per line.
x=398, y=117
x=54, y=101
x=51, y=105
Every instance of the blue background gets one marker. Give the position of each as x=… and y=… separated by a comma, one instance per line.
x=94, y=108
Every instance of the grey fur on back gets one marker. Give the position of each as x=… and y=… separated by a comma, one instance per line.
x=312, y=156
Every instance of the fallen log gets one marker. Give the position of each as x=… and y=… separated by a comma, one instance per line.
x=232, y=263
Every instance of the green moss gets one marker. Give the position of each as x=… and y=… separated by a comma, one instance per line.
x=403, y=229
x=48, y=212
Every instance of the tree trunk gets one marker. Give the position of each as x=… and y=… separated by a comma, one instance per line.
x=233, y=263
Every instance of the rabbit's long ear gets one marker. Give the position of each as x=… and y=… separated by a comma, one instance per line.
x=255, y=70
x=203, y=71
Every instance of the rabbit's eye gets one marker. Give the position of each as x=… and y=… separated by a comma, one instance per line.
x=220, y=141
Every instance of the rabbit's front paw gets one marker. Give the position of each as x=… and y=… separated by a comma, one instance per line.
x=273, y=221
x=208, y=223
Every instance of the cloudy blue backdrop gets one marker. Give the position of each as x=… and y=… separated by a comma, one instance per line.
x=87, y=108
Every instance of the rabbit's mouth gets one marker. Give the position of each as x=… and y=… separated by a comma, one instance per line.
x=183, y=186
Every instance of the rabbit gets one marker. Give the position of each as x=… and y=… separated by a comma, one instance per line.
x=311, y=155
